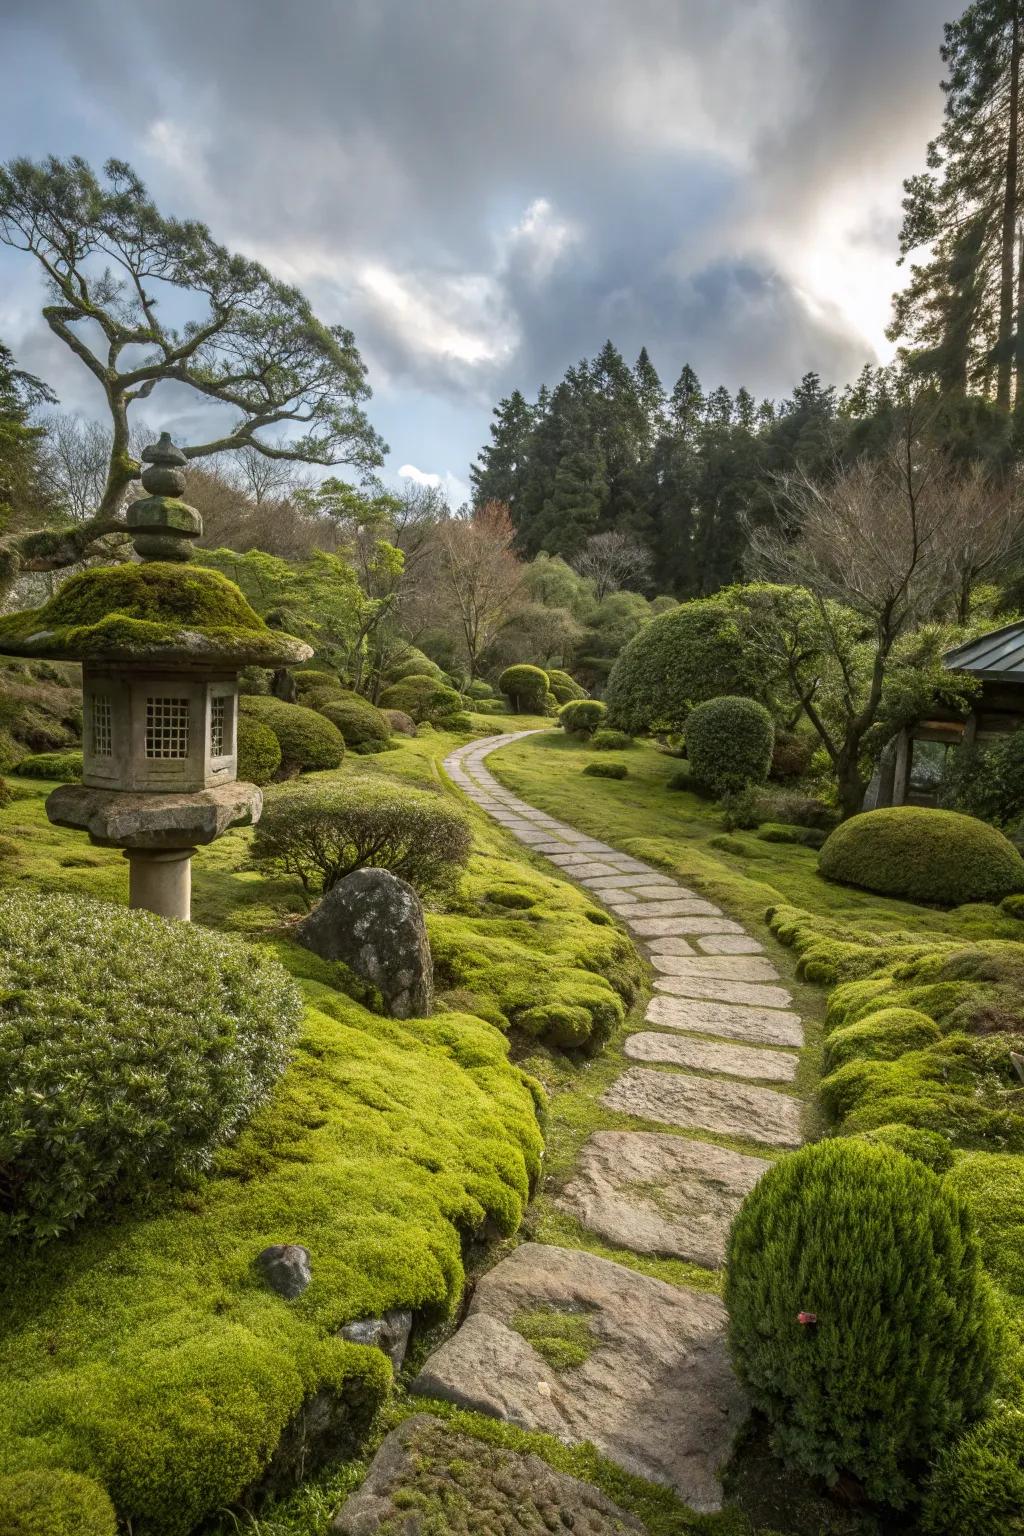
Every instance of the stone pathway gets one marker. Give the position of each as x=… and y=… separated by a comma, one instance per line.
x=653, y=1389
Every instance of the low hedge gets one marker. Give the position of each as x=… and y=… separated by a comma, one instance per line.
x=919, y=854
x=365, y=728
x=259, y=751
x=582, y=717
x=321, y=833
x=423, y=698
x=64, y=766
x=845, y=1258
x=54, y=1503
x=526, y=688
x=307, y=740
x=729, y=743
x=130, y=1048
x=606, y=771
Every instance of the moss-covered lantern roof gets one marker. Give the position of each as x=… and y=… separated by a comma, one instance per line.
x=163, y=612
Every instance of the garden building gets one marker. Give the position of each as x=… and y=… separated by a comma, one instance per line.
x=910, y=768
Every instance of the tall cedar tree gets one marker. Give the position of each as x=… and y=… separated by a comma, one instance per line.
x=962, y=310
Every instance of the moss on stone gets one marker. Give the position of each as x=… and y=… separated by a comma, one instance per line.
x=562, y=1337
x=158, y=610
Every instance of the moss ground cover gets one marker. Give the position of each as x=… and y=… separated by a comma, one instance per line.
x=143, y=1352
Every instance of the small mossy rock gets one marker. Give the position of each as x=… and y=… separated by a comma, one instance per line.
x=54, y=1503
x=287, y=1269
x=920, y=854
x=882, y=1036
x=559, y=1024
x=389, y=1333
x=373, y=922
x=399, y=721
x=159, y=611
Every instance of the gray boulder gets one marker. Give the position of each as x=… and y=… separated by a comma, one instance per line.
x=286, y=1268
x=373, y=922
x=389, y=1333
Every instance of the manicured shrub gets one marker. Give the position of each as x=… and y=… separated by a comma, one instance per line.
x=861, y=1321
x=364, y=727
x=313, y=678
x=323, y=832
x=729, y=743
x=399, y=721
x=457, y=722
x=489, y=707
x=611, y=741
x=883, y=1036
x=564, y=687
x=526, y=688
x=927, y=1147
x=65, y=766
x=606, y=770
x=130, y=1048
x=977, y=1485
x=923, y=855
x=413, y=663
x=316, y=698
x=54, y=1503
x=422, y=697
x=306, y=739
x=479, y=689
x=259, y=753
x=679, y=660
x=582, y=717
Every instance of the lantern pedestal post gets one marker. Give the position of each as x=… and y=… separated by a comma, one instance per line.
x=161, y=882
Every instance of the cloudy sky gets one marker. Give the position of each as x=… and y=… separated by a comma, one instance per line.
x=484, y=190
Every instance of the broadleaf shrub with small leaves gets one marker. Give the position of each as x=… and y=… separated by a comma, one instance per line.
x=729, y=743
x=130, y=1049
x=582, y=717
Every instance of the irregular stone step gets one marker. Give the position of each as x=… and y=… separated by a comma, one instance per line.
x=425, y=1472
x=670, y=946
x=707, y=1104
x=768, y=1026
x=724, y=967
x=660, y=1194
x=656, y=1394
x=711, y=1056
x=677, y=906
x=730, y=944
x=579, y=868
x=679, y=925
x=653, y=895
x=615, y=886
x=724, y=991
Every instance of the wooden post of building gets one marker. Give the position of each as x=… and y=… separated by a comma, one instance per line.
x=901, y=775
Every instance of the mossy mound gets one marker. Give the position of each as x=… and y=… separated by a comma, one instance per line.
x=883, y=1036
x=923, y=855
x=54, y=1503
x=159, y=611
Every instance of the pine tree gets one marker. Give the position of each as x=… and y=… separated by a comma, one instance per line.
x=686, y=407
x=719, y=409
x=23, y=500
x=651, y=398
x=746, y=410
x=499, y=473
x=960, y=310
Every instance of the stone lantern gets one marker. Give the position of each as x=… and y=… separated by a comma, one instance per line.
x=161, y=644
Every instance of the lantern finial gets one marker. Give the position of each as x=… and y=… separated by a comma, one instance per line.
x=162, y=524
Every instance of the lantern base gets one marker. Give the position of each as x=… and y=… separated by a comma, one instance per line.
x=161, y=882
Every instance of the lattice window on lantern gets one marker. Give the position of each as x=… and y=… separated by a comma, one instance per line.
x=218, y=726
x=167, y=722
x=102, y=726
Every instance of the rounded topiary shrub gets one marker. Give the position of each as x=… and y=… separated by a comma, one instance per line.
x=729, y=743
x=929, y=1147
x=64, y=766
x=49, y=1502
x=564, y=687
x=679, y=660
x=882, y=1036
x=479, y=689
x=939, y=857
x=861, y=1321
x=130, y=1048
x=611, y=741
x=316, y=698
x=977, y=1485
x=423, y=698
x=526, y=688
x=315, y=678
x=259, y=753
x=414, y=663
x=582, y=717
x=606, y=771
x=321, y=833
x=306, y=739
x=363, y=726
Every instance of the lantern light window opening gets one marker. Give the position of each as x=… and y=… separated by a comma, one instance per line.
x=167, y=727
x=218, y=725
x=102, y=726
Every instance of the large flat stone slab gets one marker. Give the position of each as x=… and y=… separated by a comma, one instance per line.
x=614, y=886
x=666, y=927
x=719, y=967
x=428, y=1476
x=670, y=946
x=660, y=1194
x=712, y=1056
x=656, y=1394
x=707, y=1104
x=579, y=869
x=652, y=894
x=676, y=906
x=725, y=991
x=730, y=944
x=767, y=1026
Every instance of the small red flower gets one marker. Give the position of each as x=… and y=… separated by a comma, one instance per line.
x=805, y=1319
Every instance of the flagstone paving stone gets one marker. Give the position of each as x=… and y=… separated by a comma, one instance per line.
x=719, y=991
x=677, y=906
x=708, y=1104
x=719, y=967
x=766, y=1026
x=711, y=1056
x=681, y=925
x=730, y=944
x=659, y=1194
